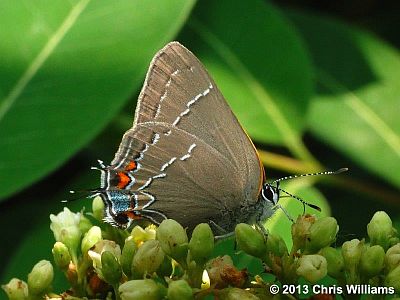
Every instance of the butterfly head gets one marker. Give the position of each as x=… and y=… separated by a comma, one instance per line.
x=271, y=193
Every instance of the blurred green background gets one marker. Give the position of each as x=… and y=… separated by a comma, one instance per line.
x=315, y=85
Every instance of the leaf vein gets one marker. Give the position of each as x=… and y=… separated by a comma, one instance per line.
x=365, y=112
x=266, y=101
x=41, y=58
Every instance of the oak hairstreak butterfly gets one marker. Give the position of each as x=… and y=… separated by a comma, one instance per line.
x=186, y=157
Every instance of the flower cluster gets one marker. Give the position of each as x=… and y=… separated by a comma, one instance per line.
x=311, y=257
x=100, y=261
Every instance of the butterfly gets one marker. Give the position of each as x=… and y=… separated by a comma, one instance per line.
x=186, y=156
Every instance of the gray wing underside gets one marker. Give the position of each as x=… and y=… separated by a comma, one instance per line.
x=181, y=99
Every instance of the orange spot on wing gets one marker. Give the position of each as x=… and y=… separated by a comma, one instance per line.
x=123, y=180
x=133, y=216
x=131, y=166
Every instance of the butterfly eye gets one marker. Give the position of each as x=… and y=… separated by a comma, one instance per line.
x=269, y=193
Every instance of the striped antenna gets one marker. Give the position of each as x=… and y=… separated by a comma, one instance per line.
x=71, y=199
x=301, y=200
x=101, y=164
x=341, y=170
x=81, y=194
x=305, y=203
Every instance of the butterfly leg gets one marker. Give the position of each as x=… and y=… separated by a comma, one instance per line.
x=224, y=236
x=260, y=227
x=278, y=206
x=219, y=229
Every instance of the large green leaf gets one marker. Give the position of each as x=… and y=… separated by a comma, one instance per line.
x=67, y=67
x=358, y=103
x=259, y=64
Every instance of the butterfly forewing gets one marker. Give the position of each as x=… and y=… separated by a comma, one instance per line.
x=179, y=91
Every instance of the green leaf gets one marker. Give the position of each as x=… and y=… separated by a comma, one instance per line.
x=357, y=106
x=67, y=68
x=259, y=64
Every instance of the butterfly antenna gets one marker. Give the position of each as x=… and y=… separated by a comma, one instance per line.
x=305, y=203
x=71, y=199
x=81, y=194
x=341, y=170
x=101, y=164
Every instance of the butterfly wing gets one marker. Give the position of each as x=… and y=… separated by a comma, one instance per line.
x=182, y=114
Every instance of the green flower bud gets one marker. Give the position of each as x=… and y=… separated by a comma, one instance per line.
x=147, y=259
x=40, y=278
x=393, y=240
x=111, y=268
x=65, y=227
x=276, y=254
x=173, y=239
x=335, y=262
x=301, y=231
x=140, y=289
x=312, y=267
x=380, y=229
x=96, y=252
x=16, y=289
x=250, y=240
x=91, y=238
x=179, y=290
x=128, y=252
x=392, y=259
x=351, y=252
x=276, y=245
x=61, y=255
x=322, y=234
x=98, y=208
x=201, y=244
x=392, y=279
x=236, y=294
x=84, y=224
x=372, y=261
